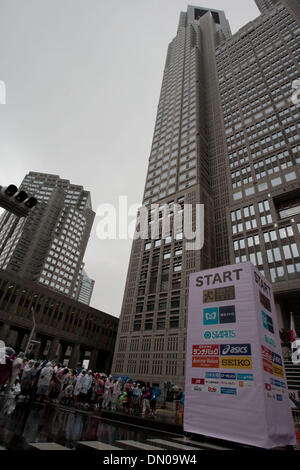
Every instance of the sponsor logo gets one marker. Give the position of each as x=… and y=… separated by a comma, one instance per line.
x=211, y=316
x=219, y=334
x=236, y=362
x=198, y=388
x=206, y=362
x=243, y=377
x=267, y=366
x=206, y=350
x=270, y=341
x=276, y=359
x=211, y=382
x=265, y=301
x=235, y=349
x=228, y=391
x=268, y=387
x=279, y=397
x=228, y=383
x=212, y=375
x=267, y=322
x=245, y=384
x=198, y=381
x=227, y=376
x=216, y=315
x=227, y=314
x=206, y=355
x=213, y=389
x=266, y=353
x=277, y=370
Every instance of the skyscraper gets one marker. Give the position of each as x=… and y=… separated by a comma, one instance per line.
x=85, y=288
x=48, y=246
x=226, y=136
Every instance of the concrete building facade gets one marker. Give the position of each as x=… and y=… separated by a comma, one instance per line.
x=66, y=330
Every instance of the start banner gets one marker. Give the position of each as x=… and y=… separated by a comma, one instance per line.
x=235, y=380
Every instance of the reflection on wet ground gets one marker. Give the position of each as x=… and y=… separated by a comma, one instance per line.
x=42, y=423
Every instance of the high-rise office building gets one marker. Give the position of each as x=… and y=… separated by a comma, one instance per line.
x=85, y=288
x=226, y=136
x=48, y=245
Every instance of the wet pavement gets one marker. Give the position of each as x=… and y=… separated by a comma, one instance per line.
x=47, y=423
x=70, y=428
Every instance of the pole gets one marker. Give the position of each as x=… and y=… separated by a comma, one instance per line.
x=31, y=333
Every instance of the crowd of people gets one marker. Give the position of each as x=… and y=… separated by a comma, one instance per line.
x=48, y=381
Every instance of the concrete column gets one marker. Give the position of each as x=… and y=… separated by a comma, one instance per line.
x=108, y=363
x=4, y=332
x=39, y=353
x=54, y=350
x=20, y=340
x=62, y=352
x=12, y=338
x=93, y=360
x=75, y=356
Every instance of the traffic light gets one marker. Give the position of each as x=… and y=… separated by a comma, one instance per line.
x=15, y=201
x=31, y=202
x=11, y=190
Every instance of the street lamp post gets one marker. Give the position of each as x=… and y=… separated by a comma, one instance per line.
x=32, y=331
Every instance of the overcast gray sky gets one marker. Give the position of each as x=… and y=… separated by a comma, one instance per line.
x=83, y=80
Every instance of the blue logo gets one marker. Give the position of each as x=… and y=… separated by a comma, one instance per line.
x=211, y=316
x=227, y=314
x=245, y=376
x=279, y=397
x=276, y=359
x=228, y=376
x=212, y=375
x=219, y=334
x=267, y=322
x=270, y=341
x=228, y=391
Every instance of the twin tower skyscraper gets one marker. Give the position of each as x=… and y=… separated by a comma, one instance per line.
x=226, y=136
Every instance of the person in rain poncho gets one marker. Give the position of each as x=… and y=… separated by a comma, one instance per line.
x=10, y=401
x=16, y=368
x=86, y=384
x=27, y=378
x=78, y=385
x=108, y=386
x=45, y=379
x=116, y=392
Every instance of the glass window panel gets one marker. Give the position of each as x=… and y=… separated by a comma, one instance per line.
x=287, y=252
